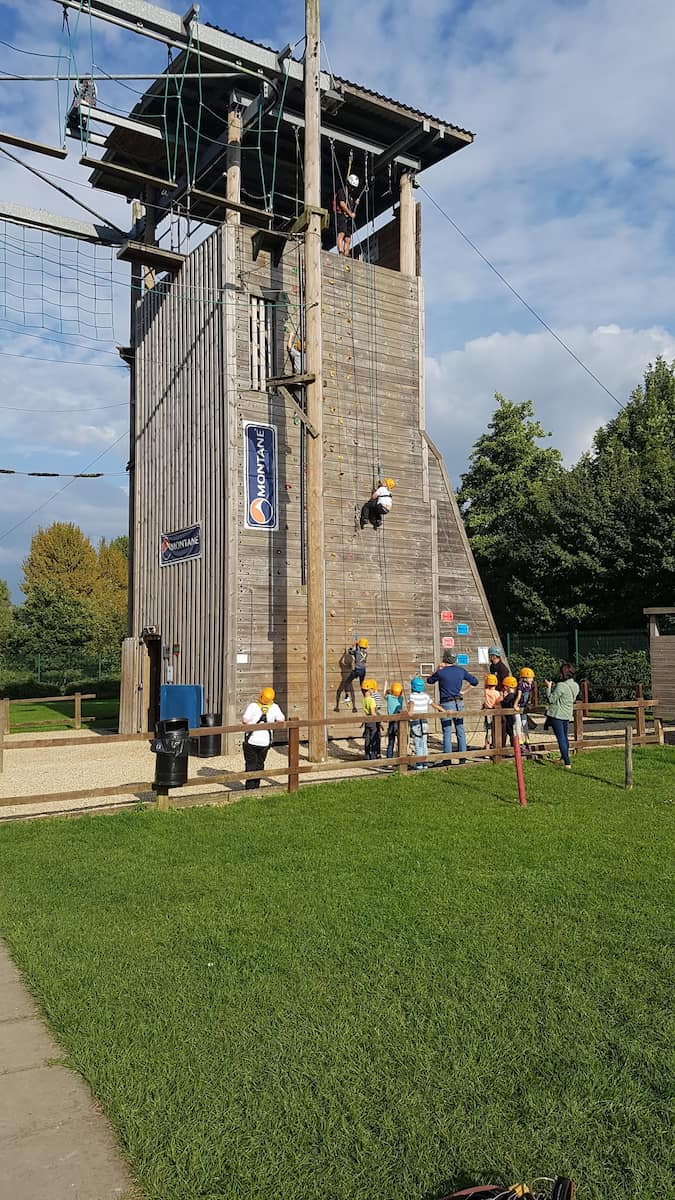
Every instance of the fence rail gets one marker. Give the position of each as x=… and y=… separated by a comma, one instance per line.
x=295, y=768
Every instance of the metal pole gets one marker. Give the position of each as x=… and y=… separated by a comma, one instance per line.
x=316, y=617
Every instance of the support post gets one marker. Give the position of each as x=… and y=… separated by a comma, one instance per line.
x=628, y=766
x=579, y=726
x=658, y=730
x=233, y=189
x=403, y=735
x=162, y=799
x=584, y=694
x=640, y=717
x=316, y=615
x=293, y=754
x=407, y=263
x=78, y=710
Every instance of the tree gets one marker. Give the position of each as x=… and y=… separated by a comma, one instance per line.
x=61, y=557
x=6, y=609
x=110, y=597
x=54, y=623
x=505, y=500
x=122, y=544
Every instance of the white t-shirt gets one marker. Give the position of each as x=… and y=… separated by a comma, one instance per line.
x=421, y=703
x=383, y=497
x=259, y=736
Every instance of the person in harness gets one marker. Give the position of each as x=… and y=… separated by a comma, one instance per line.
x=379, y=504
x=257, y=742
x=358, y=655
x=344, y=207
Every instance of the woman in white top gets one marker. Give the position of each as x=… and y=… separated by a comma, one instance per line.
x=419, y=706
x=259, y=714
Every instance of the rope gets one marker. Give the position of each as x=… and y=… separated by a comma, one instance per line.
x=276, y=138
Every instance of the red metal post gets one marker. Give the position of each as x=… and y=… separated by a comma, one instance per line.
x=518, y=759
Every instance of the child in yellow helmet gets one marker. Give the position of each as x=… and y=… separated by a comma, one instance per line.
x=492, y=696
x=394, y=699
x=371, y=729
x=379, y=504
x=260, y=712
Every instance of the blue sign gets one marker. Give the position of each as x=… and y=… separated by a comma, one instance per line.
x=463, y=660
x=463, y=630
x=181, y=545
x=261, y=476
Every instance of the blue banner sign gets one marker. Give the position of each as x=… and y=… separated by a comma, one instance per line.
x=180, y=546
x=261, y=476
x=462, y=630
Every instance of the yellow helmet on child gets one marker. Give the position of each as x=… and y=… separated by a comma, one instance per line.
x=396, y=689
x=363, y=643
x=491, y=680
x=526, y=673
x=267, y=695
x=510, y=681
x=390, y=483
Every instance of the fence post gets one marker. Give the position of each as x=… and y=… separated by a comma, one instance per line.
x=78, y=710
x=403, y=734
x=640, y=717
x=498, y=728
x=658, y=730
x=584, y=694
x=579, y=726
x=628, y=766
x=293, y=754
x=2, y=735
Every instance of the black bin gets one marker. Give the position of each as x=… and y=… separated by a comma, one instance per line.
x=171, y=747
x=210, y=746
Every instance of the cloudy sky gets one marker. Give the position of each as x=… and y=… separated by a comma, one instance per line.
x=567, y=190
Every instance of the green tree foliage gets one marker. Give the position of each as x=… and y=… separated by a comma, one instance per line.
x=122, y=544
x=61, y=557
x=110, y=596
x=5, y=614
x=54, y=623
x=505, y=501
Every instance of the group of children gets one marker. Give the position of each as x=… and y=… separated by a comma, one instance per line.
x=509, y=693
x=419, y=706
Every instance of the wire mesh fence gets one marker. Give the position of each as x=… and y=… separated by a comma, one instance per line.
x=58, y=670
x=578, y=644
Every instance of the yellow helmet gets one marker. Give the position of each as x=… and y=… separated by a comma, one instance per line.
x=363, y=643
x=396, y=689
x=510, y=681
x=526, y=673
x=390, y=483
x=267, y=695
x=490, y=680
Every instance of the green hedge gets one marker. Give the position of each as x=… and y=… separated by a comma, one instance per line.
x=612, y=676
x=28, y=689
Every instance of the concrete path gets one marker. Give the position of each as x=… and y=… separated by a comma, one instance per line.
x=54, y=1142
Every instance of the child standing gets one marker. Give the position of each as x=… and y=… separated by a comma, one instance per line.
x=419, y=706
x=371, y=729
x=394, y=698
x=523, y=699
x=510, y=691
x=492, y=696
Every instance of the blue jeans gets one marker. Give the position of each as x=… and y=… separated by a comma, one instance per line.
x=421, y=749
x=559, y=728
x=456, y=706
x=391, y=739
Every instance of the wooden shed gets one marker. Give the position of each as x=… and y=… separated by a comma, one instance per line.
x=662, y=656
x=219, y=429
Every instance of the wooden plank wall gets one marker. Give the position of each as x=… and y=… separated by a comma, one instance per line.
x=662, y=655
x=181, y=473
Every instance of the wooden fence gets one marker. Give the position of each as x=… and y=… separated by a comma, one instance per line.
x=583, y=739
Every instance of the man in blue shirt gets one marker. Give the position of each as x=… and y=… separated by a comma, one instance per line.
x=450, y=679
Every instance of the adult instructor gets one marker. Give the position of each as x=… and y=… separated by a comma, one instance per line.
x=450, y=679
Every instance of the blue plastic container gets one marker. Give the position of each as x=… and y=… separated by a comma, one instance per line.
x=182, y=700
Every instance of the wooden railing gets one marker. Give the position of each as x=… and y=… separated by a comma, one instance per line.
x=78, y=719
x=296, y=767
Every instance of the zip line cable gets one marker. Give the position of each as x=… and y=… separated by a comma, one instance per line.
x=70, y=362
x=522, y=299
x=40, y=175
x=58, y=492
x=63, y=474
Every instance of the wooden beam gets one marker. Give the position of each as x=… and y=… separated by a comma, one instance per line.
x=153, y=256
x=233, y=161
x=111, y=118
x=132, y=173
x=407, y=226
x=13, y=139
x=39, y=218
x=247, y=210
x=297, y=409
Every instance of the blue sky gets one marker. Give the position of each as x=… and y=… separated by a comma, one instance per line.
x=567, y=189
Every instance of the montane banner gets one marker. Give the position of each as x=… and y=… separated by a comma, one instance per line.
x=181, y=545
x=261, y=476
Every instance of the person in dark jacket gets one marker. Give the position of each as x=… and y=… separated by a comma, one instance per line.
x=497, y=665
x=450, y=679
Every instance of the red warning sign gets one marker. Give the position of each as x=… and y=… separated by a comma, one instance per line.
x=448, y=615
x=447, y=643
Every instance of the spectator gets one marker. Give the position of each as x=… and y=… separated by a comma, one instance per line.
x=561, y=697
x=450, y=679
x=497, y=666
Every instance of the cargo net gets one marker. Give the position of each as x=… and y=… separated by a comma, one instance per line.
x=58, y=283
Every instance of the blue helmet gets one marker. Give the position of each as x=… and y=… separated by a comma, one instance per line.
x=417, y=684
x=495, y=652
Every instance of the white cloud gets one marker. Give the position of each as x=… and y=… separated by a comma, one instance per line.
x=461, y=384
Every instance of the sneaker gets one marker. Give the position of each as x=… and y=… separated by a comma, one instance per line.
x=567, y=766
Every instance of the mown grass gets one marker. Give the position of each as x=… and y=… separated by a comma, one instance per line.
x=59, y=714
x=370, y=987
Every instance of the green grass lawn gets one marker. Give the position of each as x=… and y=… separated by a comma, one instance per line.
x=26, y=718
x=365, y=989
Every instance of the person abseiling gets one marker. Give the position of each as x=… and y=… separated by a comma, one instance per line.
x=359, y=656
x=379, y=504
x=345, y=214
x=450, y=679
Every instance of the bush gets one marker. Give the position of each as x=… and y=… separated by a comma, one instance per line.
x=26, y=689
x=616, y=676
x=103, y=689
x=544, y=664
